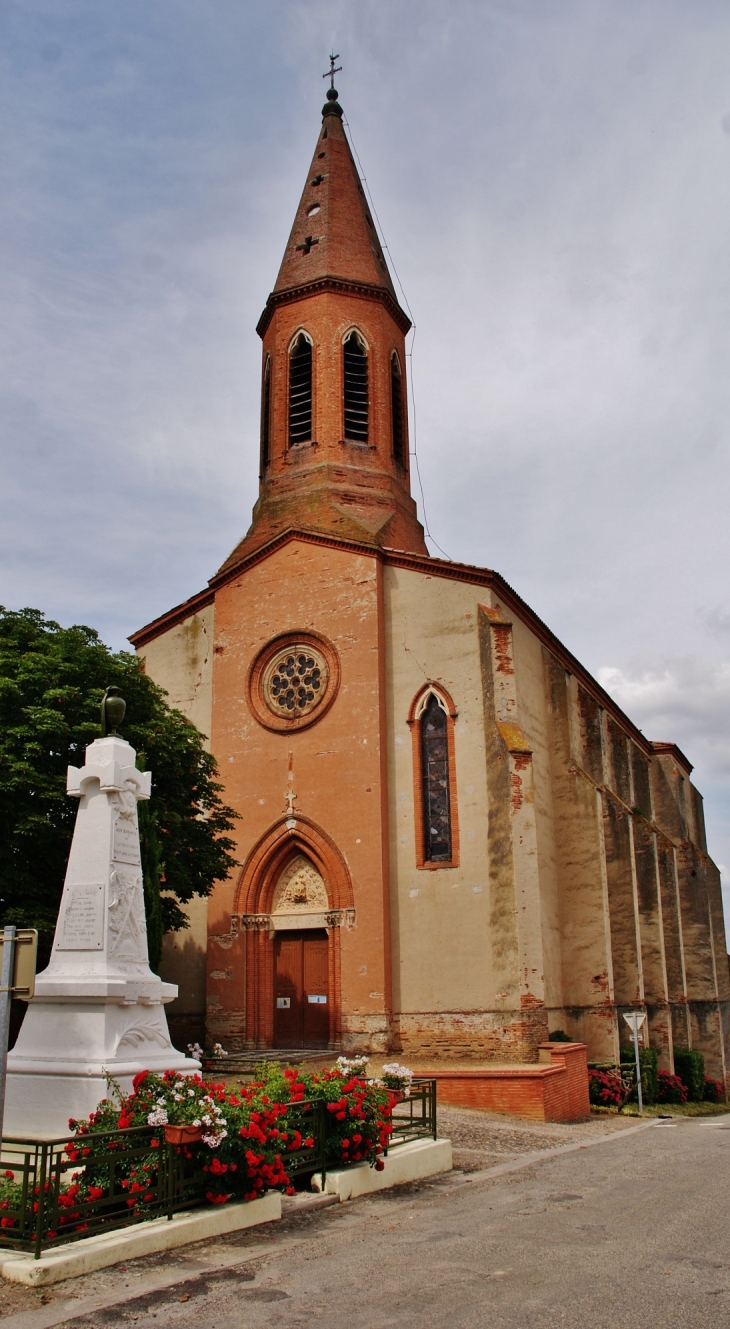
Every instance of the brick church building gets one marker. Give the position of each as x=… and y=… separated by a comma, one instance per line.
x=451, y=839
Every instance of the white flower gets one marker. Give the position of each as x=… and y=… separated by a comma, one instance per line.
x=191, y=1093
x=157, y=1118
x=395, y=1068
x=197, y=1122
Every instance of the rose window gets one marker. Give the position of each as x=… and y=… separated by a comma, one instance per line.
x=295, y=681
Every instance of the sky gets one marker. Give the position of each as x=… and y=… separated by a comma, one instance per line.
x=552, y=180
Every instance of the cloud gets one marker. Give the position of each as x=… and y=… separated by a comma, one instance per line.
x=553, y=185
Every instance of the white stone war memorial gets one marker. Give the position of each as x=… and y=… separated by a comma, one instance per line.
x=98, y=1007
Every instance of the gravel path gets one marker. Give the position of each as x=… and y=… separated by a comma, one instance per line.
x=481, y=1139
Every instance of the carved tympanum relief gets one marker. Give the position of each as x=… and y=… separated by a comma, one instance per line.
x=300, y=889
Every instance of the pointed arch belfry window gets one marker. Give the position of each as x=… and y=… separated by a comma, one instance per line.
x=431, y=719
x=300, y=390
x=397, y=404
x=266, y=416
x=357, y=402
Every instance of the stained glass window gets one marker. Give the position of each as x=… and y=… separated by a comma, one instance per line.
x=435, y=782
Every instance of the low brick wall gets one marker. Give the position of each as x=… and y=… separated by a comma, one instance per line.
x=554, y=1089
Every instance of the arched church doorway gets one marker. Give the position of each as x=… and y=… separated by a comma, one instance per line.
x=297, y=899
x=301, y=957
x=301, y=989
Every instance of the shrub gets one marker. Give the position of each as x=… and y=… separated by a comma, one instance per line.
x=670, y=1088
x=559, y=1036
x=648, y=1060
x=690, y=1067
x=607, y=1089
x=714, y=1090
x=358, y=1125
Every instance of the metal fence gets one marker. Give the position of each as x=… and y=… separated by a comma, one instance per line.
x=56, y=1191
x=414, y=1118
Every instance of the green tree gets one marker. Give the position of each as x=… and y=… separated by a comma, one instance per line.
x=52, y=680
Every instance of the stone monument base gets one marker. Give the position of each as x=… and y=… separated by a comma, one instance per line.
x=59, y=1066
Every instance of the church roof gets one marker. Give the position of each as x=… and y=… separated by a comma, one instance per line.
x=333, y=237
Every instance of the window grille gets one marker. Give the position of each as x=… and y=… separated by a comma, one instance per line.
x=356, y=389
x=396, y=403
x=265, y=415
x=435, y=782
x=300, y=391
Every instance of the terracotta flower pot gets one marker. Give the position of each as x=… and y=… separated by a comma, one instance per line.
x=399, y=1095
x=183, y=1134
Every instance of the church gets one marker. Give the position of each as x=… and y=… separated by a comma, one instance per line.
x=451, y=841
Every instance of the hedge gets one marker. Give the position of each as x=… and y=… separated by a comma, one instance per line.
x=690, y=1067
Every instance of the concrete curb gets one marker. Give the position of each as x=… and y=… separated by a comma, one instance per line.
x=409, y=1162
x=159, y=1234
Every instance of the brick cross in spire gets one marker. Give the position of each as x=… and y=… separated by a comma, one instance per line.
x=332, y=71
x=308, y=242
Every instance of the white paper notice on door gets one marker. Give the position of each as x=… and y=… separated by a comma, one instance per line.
x=283, y=1003
x=316, y=1000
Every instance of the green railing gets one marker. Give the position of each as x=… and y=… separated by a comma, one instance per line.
x=123, y=1177
x=56, y=1191
x=414, y=1118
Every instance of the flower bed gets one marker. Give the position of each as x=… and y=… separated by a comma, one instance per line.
x=124, y=1165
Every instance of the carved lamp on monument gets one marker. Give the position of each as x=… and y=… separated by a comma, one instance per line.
x=98, y=1008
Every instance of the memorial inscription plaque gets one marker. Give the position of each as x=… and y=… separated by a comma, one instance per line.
x=126, y=841
x=82, y=925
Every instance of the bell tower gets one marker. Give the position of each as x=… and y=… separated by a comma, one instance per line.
x=334, y=454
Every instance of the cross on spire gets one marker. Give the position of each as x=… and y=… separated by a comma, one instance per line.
x=332, y=71
x=308, y=242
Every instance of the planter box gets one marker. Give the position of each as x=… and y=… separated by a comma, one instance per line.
x=406, y=1162
x=159, y=1234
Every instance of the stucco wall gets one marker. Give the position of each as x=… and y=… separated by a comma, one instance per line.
x=442, y=956
x=181, y=661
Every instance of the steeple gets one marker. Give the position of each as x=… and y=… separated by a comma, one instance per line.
x=334, y=418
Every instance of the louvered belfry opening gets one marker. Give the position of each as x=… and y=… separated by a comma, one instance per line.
x=356, y=389
x=265, y=416
x=396, y=405
x=435, y=783
x=300, y=391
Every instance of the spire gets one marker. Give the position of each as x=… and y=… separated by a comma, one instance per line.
x=333, y=237
x=334, y=413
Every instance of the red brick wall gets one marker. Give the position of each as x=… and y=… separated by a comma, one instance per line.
x=556, y=1089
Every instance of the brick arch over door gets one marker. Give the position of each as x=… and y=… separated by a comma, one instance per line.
x=254, y=896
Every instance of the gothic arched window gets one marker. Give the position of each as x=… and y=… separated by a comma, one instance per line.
x=300, y=390
x=396, y=408
x=357, y=403
x=431, y=719
x=435, y=782
x=266, y=415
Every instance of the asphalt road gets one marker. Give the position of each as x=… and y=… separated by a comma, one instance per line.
x=632, y=1231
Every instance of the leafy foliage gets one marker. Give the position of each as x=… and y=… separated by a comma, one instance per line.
x=648, y=1061
x=714, y=1090
x=690, y=1067
x=670, y=1088
x=52, y=680
x=607, y=1088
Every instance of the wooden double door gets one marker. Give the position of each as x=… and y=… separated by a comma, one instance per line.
x=301, y=989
